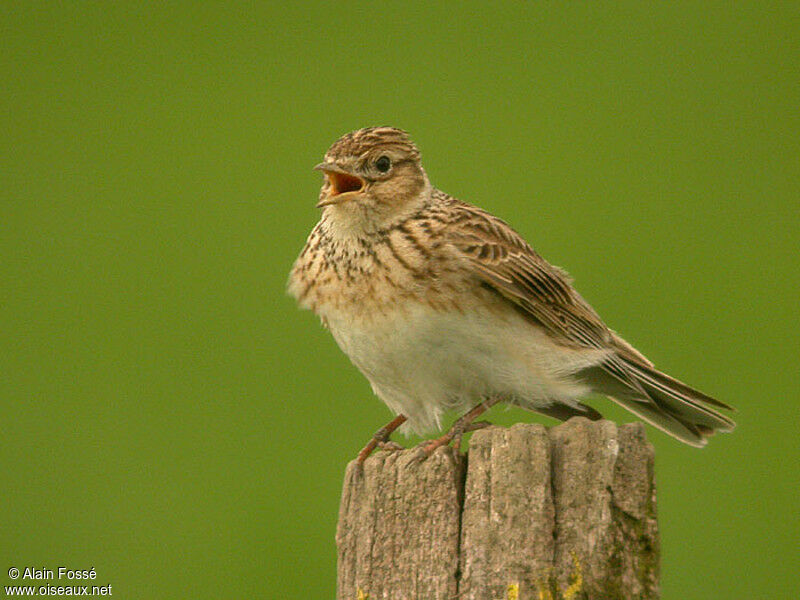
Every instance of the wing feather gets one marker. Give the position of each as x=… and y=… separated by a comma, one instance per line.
x=505, y=261
x=502, y=259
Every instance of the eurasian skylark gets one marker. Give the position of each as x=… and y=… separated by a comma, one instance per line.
x=443, y=307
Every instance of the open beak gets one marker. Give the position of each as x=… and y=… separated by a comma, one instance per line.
x=342, y=183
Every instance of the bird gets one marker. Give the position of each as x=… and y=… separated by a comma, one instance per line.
x=445, y=308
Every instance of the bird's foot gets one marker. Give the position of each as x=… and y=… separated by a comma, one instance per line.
x=390, y=446
x=475, y=426
x=456, y=432
x=428, y=447
x=380, y=439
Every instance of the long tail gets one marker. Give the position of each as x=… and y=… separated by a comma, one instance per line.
x=664, y=402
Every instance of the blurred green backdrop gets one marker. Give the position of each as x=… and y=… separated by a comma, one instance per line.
x=170, y=418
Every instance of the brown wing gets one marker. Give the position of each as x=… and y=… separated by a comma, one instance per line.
x=507, y=263
x=503, y=260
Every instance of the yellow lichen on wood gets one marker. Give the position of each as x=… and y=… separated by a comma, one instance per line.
x=513, y=591
x=549, y=589
x=577, y=579
x=543, y=591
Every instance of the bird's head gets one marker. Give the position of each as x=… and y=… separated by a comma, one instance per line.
x=373, y=176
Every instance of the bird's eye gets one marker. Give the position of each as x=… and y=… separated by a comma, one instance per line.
x=383, y=164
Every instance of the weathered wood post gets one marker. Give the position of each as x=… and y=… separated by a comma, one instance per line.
x=529, y=512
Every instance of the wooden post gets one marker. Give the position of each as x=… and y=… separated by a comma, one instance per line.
x=568, y=512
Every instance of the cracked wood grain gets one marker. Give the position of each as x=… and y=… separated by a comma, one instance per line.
x=567, y=512
x=398, y=528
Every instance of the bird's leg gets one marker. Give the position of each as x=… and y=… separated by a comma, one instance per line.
x=462, y=425
x=381, y=438
x=474, y=426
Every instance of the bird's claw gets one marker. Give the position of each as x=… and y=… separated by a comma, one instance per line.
x=390, y=446
x=474, y=426
x=381, y=439
x=426, y=448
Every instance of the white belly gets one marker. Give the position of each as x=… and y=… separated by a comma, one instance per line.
x=422, y=362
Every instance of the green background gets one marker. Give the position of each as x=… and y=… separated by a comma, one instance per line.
x=172, y=420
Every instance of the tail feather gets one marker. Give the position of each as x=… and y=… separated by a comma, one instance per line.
x=682, y=401
x=684, y=432
x=649, y=372
x=561, y=411
x=664, y=402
